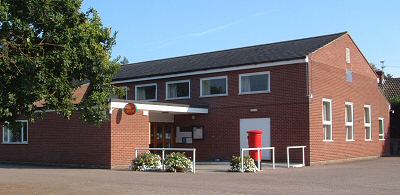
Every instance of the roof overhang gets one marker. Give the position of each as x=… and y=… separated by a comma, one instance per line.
x=299, y=60
x=159, y=107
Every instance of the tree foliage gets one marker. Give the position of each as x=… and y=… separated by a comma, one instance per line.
x=124, y=61
x=373, y=66
x=47, y=49
x=395, y=101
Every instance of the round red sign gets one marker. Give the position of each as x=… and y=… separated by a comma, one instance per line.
x=130, y=109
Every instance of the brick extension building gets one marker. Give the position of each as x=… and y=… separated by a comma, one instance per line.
x=319, y=92
x=391, y=89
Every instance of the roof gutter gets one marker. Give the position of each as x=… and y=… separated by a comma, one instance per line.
x=217, y=70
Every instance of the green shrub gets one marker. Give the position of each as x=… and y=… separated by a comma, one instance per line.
x=147, y=162
x=178, y=162
x=248, y=164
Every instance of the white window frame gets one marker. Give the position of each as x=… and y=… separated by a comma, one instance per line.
x=381, y=135
x=212, y=78
x=349, y=124
x=348, y=56
x=22, y=134
x=252, y=74
x=174, y=82
x=368, y=124
x=324, y=122
x=145, y=85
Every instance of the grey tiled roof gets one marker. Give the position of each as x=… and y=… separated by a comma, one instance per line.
x=391, y=88
x=286, y=50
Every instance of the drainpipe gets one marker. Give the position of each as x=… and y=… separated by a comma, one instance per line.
x=308, y=77
x=309, y=97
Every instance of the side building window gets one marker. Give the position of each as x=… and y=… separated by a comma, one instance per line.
x=177, y=89
x=258, y=82
x=367, y=122
x=327, y=119
x=349, y=118
x=214, y=86
x=146, y=92
x=17, y=134
x=381, y=129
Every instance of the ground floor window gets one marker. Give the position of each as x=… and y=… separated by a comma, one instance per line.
x=381, y=129
x=327, y=119
x=17, y=133
x=367, y=122
x=349, y=116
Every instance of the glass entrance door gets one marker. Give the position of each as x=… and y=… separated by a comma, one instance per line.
x=161, y=135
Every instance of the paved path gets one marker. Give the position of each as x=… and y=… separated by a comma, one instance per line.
x=378, y=176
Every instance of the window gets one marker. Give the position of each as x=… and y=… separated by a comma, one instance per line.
x=349, y=75
x=123, y=96
x=381, y=129
x=327, y=119
x=178, y=89
x=348, y=55
x=349, y=118
x=214, y=86
x=146, y=92
x=254, y=83
x=367, y=122
x=17, y=134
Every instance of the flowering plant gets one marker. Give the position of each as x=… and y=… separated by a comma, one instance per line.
x=248, y=164
x=147, y=162
x=178, y=162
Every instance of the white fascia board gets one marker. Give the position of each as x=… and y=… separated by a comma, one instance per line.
x=161, y=108
x=252, y=66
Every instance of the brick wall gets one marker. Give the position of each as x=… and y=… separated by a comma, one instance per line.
x=55, y=140
x=128, y=132
x=328, y=68
x=286, y=105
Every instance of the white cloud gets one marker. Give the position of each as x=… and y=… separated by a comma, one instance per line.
x=152, y=46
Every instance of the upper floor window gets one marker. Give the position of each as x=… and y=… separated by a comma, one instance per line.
x=178, y=89
x=214, y=86
x=327, y=119
x=348, y=55
x=146, y=92
x=123, y=95
x=381, y=129
x=258, y=82
x=367, y=122
x=349, y=118
x=17, y=134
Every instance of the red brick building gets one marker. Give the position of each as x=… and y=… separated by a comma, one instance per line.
x=390, y=87
x=318, y=92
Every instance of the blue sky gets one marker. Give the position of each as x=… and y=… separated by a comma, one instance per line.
x=151, y=29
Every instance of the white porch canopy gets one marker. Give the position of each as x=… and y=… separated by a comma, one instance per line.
x=159, y=107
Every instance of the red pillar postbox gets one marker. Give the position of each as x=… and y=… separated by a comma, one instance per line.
x=254, y=138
